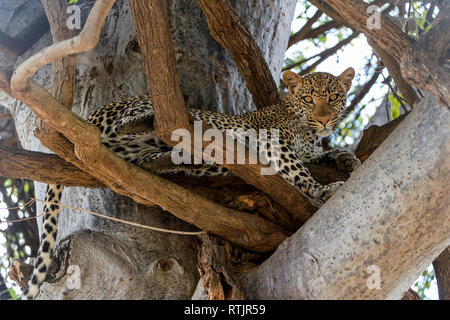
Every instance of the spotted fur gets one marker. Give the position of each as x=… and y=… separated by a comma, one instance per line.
x=315, y=104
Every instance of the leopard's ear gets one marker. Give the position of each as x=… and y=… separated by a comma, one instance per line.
x=346, y=78
x=292, y=80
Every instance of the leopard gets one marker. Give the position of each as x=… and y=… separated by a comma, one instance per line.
x=314, y=105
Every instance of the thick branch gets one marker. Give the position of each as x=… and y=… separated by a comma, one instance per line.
x=226, y=27
x=425, y=63
x=48, y=168
x=63, y=70
x=442, y=271
x=393, y=67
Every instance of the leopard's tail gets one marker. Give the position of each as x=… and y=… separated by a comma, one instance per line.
x=49, y=231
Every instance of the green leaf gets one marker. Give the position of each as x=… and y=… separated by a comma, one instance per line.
x=8, y=183
x=13, y=294
x=73, y=1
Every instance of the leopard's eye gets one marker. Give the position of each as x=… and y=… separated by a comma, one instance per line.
x=307, y=99
x=333, y=97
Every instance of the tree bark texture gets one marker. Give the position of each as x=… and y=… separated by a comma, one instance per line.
x=442, y=272
x=116, y=261
x=391, y=219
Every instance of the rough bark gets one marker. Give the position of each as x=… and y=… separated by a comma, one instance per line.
x=442, y=272
x=37, y=166
x=392, y=215
x=425, y=63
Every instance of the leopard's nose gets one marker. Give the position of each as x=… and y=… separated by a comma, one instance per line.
x=324, y=120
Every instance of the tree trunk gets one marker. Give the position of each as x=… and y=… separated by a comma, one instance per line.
x=377, y=234
x=442, y=272
x=116, y=261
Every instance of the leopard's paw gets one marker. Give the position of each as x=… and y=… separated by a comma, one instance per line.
x=347, y=162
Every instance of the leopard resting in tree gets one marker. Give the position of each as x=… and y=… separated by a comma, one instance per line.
x=312, y=109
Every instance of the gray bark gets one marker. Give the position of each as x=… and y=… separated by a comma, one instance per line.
x=392, y=215
x=116, y=261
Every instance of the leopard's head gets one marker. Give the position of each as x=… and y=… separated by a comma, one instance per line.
x=319, y=98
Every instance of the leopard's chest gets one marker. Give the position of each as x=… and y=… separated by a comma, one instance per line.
x=306, y=145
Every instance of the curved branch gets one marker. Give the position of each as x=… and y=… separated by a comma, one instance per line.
x=353, y=13
x=86, y=40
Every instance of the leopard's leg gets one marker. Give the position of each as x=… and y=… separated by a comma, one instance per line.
x=345, y=161
x=293, y=170
x=49, y=231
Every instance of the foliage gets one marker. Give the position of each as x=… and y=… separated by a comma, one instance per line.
x=424, y=283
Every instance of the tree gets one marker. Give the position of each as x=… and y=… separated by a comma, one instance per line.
x=185, y=67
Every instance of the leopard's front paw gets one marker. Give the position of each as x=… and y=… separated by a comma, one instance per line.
x=347, y=162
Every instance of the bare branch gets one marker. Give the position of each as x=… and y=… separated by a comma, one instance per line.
x=364, y=90
x=86, y=40
x=301, y=34
x=48, y=168
x=323, y=55
x=393, y=67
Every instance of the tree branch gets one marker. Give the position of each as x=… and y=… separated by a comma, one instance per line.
x=442, y=271
x=301, y=34
x=393, y=67
x=48, y=168
x=86, y=40
x=364, y=90
x=228, y=30
x=425, y=63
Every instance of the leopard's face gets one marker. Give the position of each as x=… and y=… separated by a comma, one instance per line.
x=319, y=98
